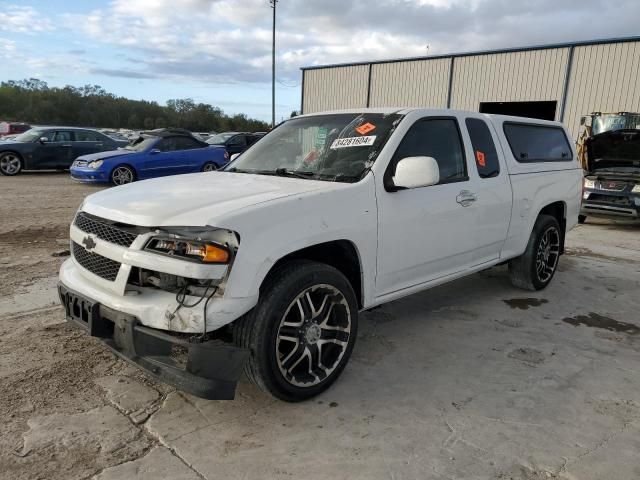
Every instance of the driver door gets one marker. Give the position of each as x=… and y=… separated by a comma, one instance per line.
x=55, y=152
x=426, y=233
x=161, y=159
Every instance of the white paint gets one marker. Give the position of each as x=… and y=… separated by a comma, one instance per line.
x=406, y=241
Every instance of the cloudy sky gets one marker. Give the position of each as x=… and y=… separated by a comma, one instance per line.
x=219, y=51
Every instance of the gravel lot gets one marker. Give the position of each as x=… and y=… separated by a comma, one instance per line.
x=472, y=380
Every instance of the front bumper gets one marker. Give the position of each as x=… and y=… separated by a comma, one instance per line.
x=209, y=369
x=611, y=203
x=89, y=175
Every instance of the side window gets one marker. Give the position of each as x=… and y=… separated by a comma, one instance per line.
x=62, y=136
x=438, y=138
x=166, y=144
x=87, y=136
x=48, y=135
x=238, y=140
x=185, y=143
x=484, y=150
x=537, y=143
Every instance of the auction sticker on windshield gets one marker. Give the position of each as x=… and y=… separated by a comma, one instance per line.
x=353, y=142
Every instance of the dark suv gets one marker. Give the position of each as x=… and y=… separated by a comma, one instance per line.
x=51, y=148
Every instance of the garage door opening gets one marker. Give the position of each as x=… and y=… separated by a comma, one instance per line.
x=539, y=110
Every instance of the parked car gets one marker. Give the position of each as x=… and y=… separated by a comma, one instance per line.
x=51, y=148
x=612, y=179
x=157, y=153
x=13, y=128
x=233, y=142
x=266, y=264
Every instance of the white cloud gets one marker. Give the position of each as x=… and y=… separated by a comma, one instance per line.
x=230, y=40
x=22, y=19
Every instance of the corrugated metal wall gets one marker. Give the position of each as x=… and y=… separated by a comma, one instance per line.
x=335, y=88
x=423, y=83
x=604, y=78
x=509, y=77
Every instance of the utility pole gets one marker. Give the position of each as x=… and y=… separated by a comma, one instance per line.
x=273, y=66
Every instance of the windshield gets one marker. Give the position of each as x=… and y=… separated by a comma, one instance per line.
x=29, y=136
x=606, y=123
x=219, y=138
x=337, y=147
x=141, y=144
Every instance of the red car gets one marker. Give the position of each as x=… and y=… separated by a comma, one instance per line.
x=13, y=128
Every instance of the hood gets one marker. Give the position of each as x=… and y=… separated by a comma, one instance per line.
x=193, y=200
x=614, y=149
x=104, y=155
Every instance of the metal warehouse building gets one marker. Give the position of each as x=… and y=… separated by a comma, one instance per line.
x=555, y=82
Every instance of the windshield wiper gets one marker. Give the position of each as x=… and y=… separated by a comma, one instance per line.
x=283, y=172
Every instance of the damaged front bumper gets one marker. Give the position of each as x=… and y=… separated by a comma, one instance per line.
x=208, y=369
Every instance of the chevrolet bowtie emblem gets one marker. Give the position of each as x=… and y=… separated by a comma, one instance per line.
x=89, y=243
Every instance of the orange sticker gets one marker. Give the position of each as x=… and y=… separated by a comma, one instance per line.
x=480, y=158
x=365, y=128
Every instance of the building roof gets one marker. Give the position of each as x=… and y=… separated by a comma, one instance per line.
x=548, y=46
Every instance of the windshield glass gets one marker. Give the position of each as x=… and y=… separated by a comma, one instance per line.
x=219, y=138
x=337, y=147
x=606, y=123
x=141, y=144
x=29, y=136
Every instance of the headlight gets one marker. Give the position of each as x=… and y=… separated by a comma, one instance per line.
x=636, y=188
x=205, y=252
x=95, y=164
x=589, y=183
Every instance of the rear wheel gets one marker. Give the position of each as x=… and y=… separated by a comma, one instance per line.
x=301, y=333
x=534, y=269
x=582, y=219
x=10, y=164
x=122, y=175
x=209, y=167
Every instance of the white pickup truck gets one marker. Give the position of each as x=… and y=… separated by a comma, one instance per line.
x=264, y=266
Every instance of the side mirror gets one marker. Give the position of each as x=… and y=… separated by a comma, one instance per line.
x=415, y=172
x=234, y=156
x=154, y=151
x=43, y=140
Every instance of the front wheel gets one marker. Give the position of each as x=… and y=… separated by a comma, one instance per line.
x=582, y=219
x=534, y=269
x=302, y=332
x=121, y=175
x=10, y=164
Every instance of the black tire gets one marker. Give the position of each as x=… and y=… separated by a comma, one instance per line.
x=582, y=219
x=209, y=167
x=534, y=269
x=122, y=174
x=11, y=164
x=267, y=332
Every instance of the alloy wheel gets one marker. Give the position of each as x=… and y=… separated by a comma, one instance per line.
x=209, y=167
x=122, y=175
x=10, y=164
x=548, y=254
x=313, y=335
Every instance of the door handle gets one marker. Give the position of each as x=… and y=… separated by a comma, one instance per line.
x=466, y=198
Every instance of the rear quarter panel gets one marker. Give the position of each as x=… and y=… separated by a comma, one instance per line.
x=536, y=185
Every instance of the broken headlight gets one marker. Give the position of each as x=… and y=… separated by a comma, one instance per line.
x=194, y=250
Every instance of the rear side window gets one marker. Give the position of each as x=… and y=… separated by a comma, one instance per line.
x=86, y=136
x=484, y=150
x=537, y=143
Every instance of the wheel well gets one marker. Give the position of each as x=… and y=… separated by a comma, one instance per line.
x=558, y=211
x=18, y=154
x=340, y=254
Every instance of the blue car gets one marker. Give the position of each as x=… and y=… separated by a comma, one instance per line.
x=157, y=153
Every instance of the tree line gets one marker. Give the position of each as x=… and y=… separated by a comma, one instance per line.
x=33, y=101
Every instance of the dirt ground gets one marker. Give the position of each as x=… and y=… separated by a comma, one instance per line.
x=471, y=380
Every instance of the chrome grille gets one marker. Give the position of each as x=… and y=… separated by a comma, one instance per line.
x=96, y=264
x=104, y=231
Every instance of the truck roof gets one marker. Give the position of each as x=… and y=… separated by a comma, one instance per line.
x=434, y=111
